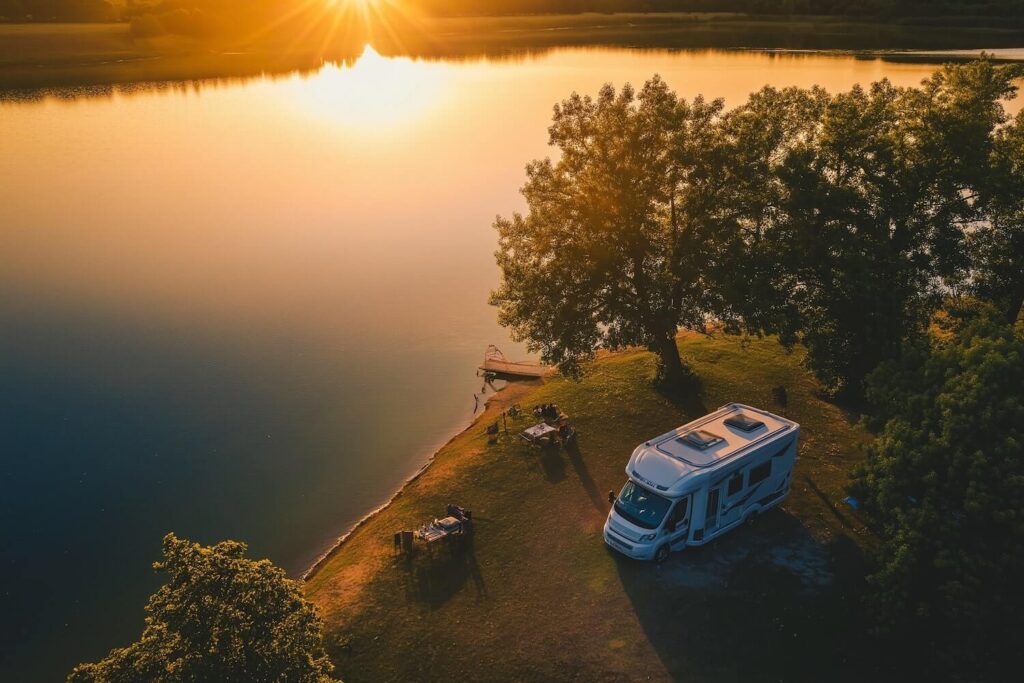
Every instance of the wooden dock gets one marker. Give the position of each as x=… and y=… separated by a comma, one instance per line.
x=495, y=361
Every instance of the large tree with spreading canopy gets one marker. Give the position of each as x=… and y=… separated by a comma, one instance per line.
x=877, y=209
x=623, y=231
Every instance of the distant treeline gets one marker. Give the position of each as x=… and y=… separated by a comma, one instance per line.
x=863, y=8
x=58, y=10
x=203, y=14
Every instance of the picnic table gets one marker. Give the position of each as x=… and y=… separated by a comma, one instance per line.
x=540, y=434
x=439, y=528
x=457, y=523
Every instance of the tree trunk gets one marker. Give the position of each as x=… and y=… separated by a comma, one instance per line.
x=673, y=373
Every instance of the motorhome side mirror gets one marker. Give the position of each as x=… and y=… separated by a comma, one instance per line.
x=670, y=526
x=611, y=497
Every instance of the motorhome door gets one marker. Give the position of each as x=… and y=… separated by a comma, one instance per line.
x=678, y=524
x=711, y=518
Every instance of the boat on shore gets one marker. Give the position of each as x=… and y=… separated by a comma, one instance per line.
x=495, y=361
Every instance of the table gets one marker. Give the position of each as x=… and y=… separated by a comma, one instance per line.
x=540, y=434
x=438, y=529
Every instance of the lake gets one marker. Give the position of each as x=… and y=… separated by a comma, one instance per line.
x=251, y=309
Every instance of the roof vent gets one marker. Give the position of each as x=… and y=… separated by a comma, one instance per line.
x=700, y=439
x=744, y=423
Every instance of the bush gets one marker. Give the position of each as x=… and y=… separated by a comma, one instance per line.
x=945, y=483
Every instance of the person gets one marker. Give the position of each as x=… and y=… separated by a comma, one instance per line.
x=566, y=433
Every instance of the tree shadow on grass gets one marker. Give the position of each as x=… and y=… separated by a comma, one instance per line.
x=685, y=396
x=599, y=502
x=433, y=575
x=763, y=603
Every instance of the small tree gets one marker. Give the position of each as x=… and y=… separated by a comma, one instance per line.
x=945, y=482
x=623, y=231
x=220, y=617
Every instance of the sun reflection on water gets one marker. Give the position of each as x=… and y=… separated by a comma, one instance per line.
x=375, y=92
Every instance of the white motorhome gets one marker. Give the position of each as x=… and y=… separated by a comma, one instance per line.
x=691, y=485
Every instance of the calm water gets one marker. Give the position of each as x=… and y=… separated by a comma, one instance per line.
x=250, y=310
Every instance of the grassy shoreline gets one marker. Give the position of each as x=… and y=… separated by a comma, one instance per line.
x=496, y=403
x=38, y=56
x=538, y=596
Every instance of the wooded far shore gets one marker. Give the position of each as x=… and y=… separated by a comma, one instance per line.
x=47, y=55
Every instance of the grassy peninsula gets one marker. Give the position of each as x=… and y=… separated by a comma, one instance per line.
x=538, y=596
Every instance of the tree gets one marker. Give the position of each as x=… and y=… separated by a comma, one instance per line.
x=220, y=617
x=997, y=244
x=878, y=203
x=840, y=222
x=623, y=231
x=945, y=483
x=761, y=137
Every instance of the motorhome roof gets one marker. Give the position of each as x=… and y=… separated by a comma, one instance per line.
x=705, y=444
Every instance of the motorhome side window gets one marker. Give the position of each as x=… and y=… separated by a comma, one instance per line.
x=735, y=484
x=759, y=473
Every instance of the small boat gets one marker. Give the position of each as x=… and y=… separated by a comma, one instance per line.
x=495, y=361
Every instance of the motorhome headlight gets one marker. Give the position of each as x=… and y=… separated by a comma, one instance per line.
x=648, y=537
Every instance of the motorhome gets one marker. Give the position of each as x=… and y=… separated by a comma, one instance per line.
x=694, y=483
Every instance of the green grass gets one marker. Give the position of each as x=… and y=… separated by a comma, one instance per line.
x=537, y=596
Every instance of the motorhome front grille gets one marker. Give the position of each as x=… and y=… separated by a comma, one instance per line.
x=620, y=543
x=618, y=529
x=744, y=423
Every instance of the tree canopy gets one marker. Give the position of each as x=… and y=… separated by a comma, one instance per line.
x=840, y=221
x=997, y=245
x=945, y=481
x=877, y=206
x=623, y=231
x=219, y=617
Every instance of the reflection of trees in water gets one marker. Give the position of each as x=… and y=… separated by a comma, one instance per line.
x=191, y=74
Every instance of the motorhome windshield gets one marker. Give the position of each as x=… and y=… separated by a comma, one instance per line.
x=640, y=506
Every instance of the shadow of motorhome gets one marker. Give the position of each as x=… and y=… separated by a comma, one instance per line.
x=789, y=603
